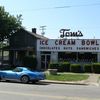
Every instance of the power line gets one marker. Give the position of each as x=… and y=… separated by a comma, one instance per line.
x=59, y=7
x=94, y=4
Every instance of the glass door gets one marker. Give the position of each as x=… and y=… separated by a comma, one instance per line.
x=42, y=61
x=45, y=60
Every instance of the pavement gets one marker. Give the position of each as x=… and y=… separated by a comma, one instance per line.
x=92, y=80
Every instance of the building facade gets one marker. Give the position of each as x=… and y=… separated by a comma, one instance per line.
x=72, y=50
x=21, y=44
x=24, y=43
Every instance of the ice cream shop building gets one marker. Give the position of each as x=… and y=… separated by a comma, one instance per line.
x=76, y=50
x=72, y=50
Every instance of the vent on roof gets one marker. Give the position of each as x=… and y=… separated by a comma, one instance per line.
x=34, y=30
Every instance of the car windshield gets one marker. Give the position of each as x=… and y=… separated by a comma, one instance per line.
x=17, y=69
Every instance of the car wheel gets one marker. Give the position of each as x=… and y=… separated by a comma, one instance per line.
x=24, y=79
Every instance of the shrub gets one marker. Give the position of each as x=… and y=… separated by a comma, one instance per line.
x=61, y=66
x=30, y=61
x=96, y=67
x=88, y=68
x=53, y=65
x=64, y=67
x=75, y=68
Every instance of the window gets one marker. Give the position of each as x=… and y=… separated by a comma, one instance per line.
x=17, y=70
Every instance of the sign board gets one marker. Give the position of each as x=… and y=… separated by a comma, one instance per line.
x=68, y=33
x=69, y=45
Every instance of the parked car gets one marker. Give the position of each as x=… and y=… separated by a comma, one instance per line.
x=22, y=74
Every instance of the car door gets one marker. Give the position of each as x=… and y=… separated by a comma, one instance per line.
x=13, y=75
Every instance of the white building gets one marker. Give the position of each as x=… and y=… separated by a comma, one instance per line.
x=71, y=50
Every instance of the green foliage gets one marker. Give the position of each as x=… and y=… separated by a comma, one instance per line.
x=30, y=61
x=96, y=67
x=8, y=24
x=67, y=77
x=64, y=67
x=53, y=65
x=75, y=68
x=88, y=68
x=61, y=66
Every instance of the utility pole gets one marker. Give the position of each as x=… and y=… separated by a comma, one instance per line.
x=42, y=28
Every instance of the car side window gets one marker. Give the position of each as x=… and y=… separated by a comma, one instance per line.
x=17, y=70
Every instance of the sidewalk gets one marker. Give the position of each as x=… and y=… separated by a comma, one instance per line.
x=92, y=80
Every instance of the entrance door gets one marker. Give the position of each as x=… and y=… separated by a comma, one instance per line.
x=45, y=60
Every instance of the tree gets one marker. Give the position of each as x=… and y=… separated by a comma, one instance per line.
x=9, y=24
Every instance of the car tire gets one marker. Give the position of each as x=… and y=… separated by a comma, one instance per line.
x=24, y=79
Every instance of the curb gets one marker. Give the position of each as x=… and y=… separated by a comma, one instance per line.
x=61, y=82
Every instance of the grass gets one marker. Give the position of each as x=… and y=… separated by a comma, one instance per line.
x=67, y=77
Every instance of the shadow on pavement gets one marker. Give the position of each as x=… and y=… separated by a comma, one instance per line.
x=30, y=83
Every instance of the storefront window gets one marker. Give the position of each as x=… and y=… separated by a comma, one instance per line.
x=87, y=57
x=77, y=57
x=67, y=56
